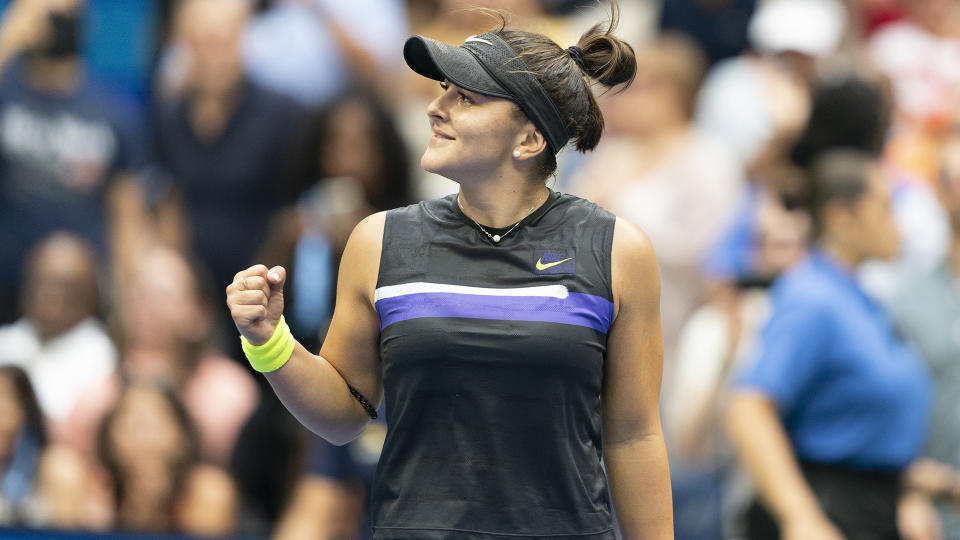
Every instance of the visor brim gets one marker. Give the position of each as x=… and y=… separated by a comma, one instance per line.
x=441, y=61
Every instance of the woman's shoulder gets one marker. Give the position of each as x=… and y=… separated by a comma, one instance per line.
x=570, y=205
x=632, y=245
x=367, y=233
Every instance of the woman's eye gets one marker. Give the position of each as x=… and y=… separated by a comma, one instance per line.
x=460, y=95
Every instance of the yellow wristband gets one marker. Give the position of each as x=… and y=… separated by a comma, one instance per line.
x=273, y=354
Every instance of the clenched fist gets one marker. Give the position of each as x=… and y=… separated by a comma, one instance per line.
x=255, y=299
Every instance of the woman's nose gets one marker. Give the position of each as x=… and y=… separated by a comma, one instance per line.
x=437, y=109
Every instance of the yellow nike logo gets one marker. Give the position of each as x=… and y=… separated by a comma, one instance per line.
x=543, y=266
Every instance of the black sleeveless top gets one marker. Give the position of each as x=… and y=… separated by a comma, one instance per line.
x=492, y=357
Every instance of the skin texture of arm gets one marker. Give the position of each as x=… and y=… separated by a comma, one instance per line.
x=314, y=387
x=762, y=444
x=633, y=447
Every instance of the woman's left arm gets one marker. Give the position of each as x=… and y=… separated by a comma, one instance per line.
x=633, y=447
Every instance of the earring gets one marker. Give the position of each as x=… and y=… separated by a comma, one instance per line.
x=516, y=154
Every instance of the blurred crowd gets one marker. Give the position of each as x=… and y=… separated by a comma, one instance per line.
x=246, y=132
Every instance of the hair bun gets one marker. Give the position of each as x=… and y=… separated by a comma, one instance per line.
x=607, y=58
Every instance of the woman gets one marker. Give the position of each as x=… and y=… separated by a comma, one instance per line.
x=42, y=485
x=505, y=325
x=833, y=406
x=150, y=449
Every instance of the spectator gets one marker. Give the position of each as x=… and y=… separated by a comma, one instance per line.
x=59, y=341
x=657, y=170
x=68, y=148
x=758, y=101
x=921, y=56
x=312, y=50
x=847, y=112
x=41, y=485
x=356, y=136
x=357, y=164
x=150, y=448
x=832, y=407
x=708, y=489
x=224, y=141
x=165, y=324
x=72, y=493
x=927, y=308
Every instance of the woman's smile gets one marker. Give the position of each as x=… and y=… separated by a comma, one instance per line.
x=439, y=136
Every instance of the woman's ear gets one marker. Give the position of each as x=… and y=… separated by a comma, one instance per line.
x=530, y=143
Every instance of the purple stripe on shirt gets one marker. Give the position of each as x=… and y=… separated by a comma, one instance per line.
x=577, y=308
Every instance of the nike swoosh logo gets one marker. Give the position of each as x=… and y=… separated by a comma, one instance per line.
x=475, y=38
x=543, y=266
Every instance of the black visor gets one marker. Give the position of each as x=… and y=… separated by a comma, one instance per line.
x=488, y=65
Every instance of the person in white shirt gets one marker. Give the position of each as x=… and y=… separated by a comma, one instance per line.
x=59, y=341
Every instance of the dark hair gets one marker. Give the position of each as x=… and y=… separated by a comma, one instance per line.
x=606, y=59
x=395, y=173
x=178, y=469
x=849, y=112
x=33, y=425
x=840, y=175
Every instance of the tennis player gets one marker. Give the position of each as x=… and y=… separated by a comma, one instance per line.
x=513, y=331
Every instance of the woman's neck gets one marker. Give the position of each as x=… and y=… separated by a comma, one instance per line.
x=501, y=204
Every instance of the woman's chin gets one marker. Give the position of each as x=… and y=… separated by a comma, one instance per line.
x=430, y=163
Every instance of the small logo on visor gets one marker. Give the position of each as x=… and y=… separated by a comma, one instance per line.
x=475, y=38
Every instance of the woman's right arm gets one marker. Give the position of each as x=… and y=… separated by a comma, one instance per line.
x=314, y=387
x=764, y=449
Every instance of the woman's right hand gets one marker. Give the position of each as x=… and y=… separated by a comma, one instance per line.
x=255, y=299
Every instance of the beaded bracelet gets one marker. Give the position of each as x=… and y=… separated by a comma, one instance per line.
x=273, y=354
x=371, y=410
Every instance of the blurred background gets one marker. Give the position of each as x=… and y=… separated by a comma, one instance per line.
x=150, y=149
